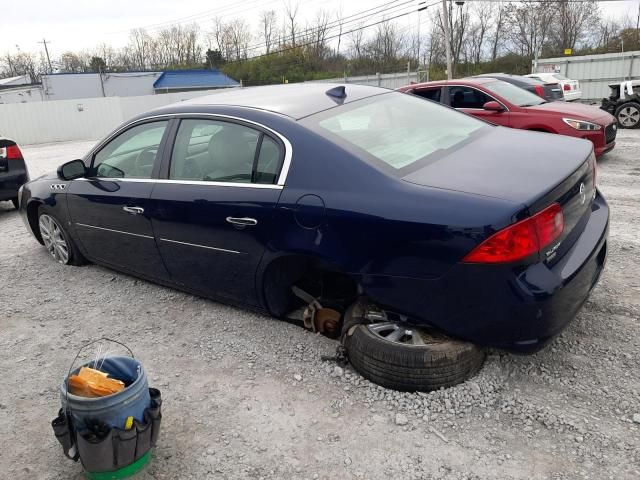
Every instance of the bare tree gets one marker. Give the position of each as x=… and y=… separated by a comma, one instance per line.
x=291, y=11
x=572, y=21
x=340, y=21
x=499, y=15
x=268, y=21
x=531, y=23
x=356, y=37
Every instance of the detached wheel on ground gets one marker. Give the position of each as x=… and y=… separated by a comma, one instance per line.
x=57, y=241
x=407, y=359
x=628, y=115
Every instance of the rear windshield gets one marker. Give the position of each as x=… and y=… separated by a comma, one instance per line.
x=559, y=77
x=513, y=94
x=396, y=129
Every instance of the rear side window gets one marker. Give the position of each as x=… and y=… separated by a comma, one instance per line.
x=432, y=94
x=219, y=151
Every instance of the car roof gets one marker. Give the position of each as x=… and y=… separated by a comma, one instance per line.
x=515, y=79
x=460, y=81
x=296, y=100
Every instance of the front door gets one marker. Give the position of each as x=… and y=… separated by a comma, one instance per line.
x=109, y=208
x=471, y=100
x=213, y=213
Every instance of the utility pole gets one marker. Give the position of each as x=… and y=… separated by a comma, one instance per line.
x=447, y=37
x=46, y=50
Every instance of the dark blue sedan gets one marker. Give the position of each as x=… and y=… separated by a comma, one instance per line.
x=415, y=233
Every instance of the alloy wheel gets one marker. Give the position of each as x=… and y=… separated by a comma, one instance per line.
x=629, y=116
x=53, y=239
x=404, y=334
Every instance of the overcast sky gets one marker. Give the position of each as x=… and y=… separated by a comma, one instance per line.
x=83, y=24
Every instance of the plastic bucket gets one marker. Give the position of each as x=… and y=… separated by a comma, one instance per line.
x=113, y=409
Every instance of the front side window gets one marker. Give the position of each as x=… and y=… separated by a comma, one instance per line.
x=131, y=154
x=219, y=151
x=467, y=97
x=395, y=130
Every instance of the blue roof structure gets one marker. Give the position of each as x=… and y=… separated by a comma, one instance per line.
x=196, y=79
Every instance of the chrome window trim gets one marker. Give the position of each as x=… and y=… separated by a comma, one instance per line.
x=114, y=231
x=481, y=91
x=183, y=182
x=203, y=246
x=288, y=149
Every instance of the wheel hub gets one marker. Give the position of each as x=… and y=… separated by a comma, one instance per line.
x=53, y=239
x=629, y=116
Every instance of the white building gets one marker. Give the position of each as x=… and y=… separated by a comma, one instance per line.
x=64, y=86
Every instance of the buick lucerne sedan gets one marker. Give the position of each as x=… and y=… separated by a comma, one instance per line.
x=415, y=233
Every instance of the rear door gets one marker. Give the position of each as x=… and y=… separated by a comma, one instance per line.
x=110, y=207
x=471, y=100
x=213, y=209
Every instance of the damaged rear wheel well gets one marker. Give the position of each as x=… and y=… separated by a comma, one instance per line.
x=313, y=275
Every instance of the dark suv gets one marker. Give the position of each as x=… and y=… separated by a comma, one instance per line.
x=13, y=170
x=551, y=92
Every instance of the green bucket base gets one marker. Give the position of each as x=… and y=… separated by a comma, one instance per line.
x=124, y=472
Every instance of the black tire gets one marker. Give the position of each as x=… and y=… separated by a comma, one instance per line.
x=628, y=113
x=15, y=202
x=440, y=363
x=75, y=257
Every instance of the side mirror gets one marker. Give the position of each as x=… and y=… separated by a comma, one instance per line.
x=493, y=106
x=72, y=170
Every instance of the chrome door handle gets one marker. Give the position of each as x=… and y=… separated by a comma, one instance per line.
x=133, y=210
x=243, y=221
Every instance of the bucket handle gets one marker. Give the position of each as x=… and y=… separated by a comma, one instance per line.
x=68, y=408
x=88, y=345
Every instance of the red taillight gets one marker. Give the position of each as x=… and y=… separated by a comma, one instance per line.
x=566, y=87
x=539, y=90
x=521, y=239
x=13, y=153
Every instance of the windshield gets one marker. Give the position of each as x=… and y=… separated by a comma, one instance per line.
x=513, y=94
x=396, y=129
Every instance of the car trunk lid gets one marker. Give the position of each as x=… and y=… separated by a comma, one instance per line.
x=532, y=169
x=553, y=91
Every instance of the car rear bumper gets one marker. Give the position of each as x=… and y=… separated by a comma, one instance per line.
x=570, y=96
x=10, y=183
x=517, y=308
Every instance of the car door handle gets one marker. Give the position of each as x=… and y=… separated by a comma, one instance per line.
x=133, y=210
x=243, y=221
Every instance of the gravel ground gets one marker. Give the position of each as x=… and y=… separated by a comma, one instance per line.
x=247, y=396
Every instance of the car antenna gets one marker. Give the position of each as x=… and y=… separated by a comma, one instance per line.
x=338, y=94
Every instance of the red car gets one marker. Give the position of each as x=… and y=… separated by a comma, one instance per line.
x=504, y=104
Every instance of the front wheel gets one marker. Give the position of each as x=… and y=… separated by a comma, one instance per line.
x=628, y=115
x=58, y=242
x=409, y=359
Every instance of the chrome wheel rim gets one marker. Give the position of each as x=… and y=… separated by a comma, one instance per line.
x=629, y=116
x=53, y=239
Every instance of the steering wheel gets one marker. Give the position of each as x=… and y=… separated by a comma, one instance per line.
x=144, y=160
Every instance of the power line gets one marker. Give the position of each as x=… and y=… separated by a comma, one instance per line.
x=383, y=8
x=334, y=36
